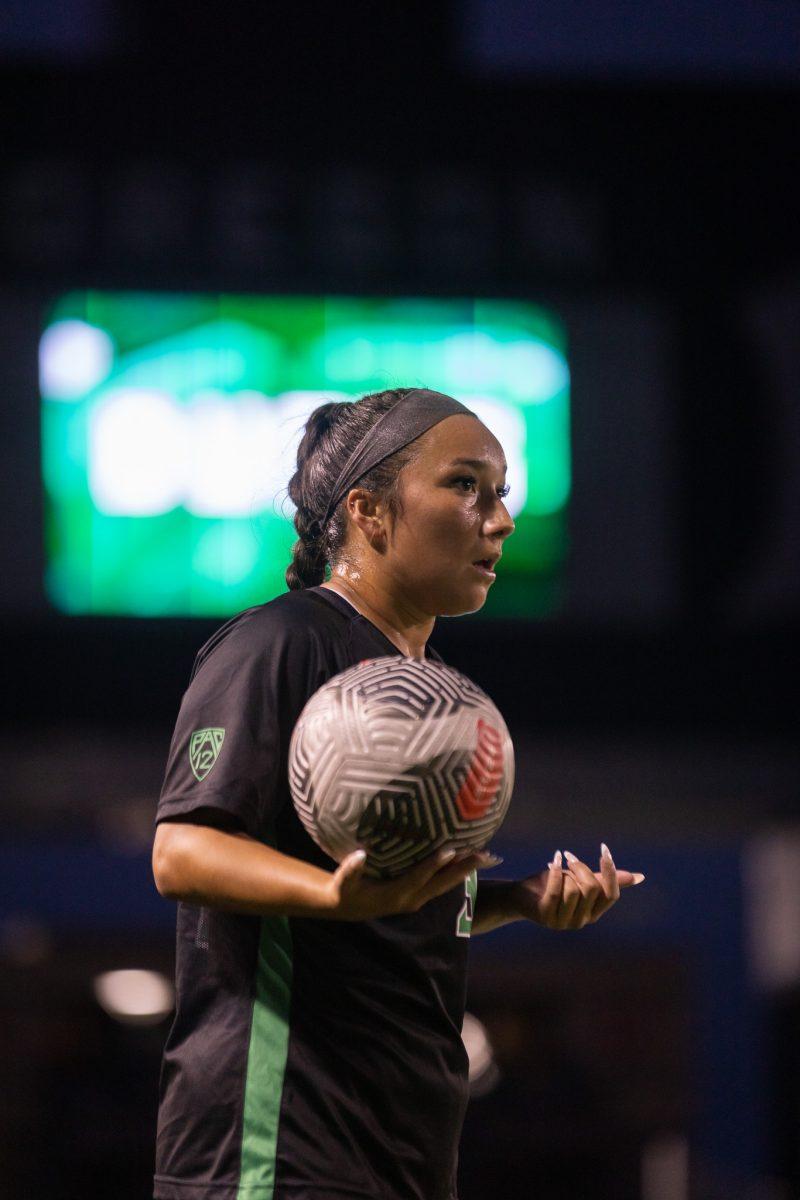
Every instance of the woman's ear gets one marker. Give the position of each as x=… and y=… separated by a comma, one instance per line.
x=368, y=515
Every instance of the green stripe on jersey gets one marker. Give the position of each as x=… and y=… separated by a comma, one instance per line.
x=266, y=1060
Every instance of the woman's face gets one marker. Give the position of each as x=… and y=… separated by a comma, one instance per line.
x=443, y=545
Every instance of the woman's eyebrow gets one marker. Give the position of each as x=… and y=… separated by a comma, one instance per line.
x=475, y=463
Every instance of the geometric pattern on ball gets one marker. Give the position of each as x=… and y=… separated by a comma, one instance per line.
x=400, y=756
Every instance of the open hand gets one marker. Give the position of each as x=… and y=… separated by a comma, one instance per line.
x=573, y=896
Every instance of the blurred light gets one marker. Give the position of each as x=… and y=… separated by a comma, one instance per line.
x=233, y=445
x=225, y=552
x=73, y=358
x=47, y=31
x=697, y=41
x=166, y=480
x=136, y=453
x=665, y=1168
x=771, y=878
x=530, y=372
x=135, y=997
x=219, y=455
x=483, y=1071
x=535, y=372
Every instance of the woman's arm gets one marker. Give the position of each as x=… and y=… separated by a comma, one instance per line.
x=496, y=904
x=234, y=872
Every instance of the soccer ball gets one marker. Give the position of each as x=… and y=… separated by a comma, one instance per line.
x=400, y=756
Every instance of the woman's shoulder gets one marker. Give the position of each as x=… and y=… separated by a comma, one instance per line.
x=301, y=618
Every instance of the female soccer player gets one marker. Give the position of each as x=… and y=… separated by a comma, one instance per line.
x=316, y=1051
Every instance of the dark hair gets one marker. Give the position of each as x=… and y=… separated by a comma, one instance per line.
x=328, y=439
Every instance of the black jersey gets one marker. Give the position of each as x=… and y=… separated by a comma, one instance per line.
x=308, y=1059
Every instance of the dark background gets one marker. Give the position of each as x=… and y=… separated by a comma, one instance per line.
x=636, y=172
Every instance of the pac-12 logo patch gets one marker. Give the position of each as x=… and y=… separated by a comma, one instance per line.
x=204, y=748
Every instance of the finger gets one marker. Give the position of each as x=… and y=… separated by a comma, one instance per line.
x=446, y=879
x=551, y=896
x=446, y=857
x=351, y=868
x=584, y=875
x=630, y=878
x=609, y=883
x=571, y=901
x=417, y=876
x=626, y=878
x=482, y=859
x=555, y=880
x=622, y=878
x=608, y=874
x=591, y=888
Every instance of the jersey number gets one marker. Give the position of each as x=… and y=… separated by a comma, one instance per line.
x=467, y=912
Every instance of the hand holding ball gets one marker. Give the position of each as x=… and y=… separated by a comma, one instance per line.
x=400, y=756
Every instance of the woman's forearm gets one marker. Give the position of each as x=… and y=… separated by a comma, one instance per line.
x=231, y=871
x=496, y=904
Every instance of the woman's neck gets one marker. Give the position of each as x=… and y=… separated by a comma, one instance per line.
x=409, y=634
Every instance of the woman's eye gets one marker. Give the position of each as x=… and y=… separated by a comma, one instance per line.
x=469, y=483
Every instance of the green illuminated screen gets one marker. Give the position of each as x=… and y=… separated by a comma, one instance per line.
x=170, y=425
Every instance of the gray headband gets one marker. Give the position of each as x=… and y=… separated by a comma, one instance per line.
x=406, y=420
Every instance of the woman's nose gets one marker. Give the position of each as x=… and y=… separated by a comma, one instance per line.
x=500, y=521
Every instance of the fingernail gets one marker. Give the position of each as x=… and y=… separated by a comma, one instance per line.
x=570, y=857
x=447, y=856
x=638, y=878
x=605, y=852
x=556, y=860
x=359, y=856
x=489, y=860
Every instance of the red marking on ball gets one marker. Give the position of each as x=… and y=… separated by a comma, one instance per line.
x=484, y=775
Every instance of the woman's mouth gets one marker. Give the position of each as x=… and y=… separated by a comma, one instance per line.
x=484, y=565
